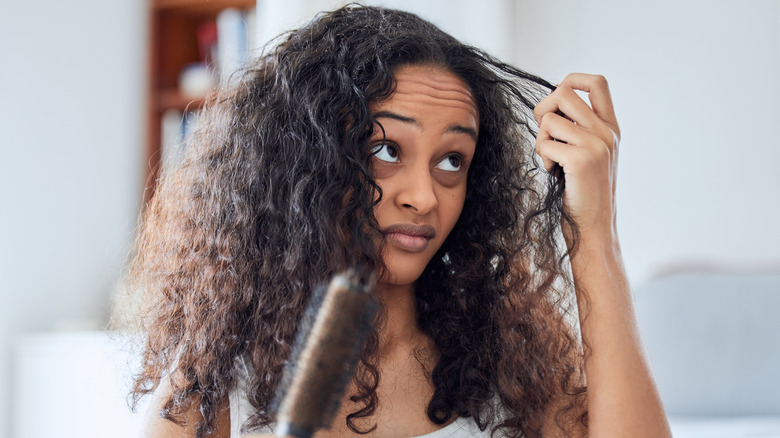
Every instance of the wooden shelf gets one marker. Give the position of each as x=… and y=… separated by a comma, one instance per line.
x=174, y=99
x=173, y=44
x=201, y=6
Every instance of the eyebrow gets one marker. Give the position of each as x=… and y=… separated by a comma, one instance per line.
x=457, y=129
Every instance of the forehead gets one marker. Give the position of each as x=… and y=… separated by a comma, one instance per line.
x=431, y=87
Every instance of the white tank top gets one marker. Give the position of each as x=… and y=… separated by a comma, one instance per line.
x=241, y=410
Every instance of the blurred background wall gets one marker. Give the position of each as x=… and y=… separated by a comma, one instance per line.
x=72, y=78
x=695, y=86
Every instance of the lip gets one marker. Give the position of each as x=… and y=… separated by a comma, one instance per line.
x=410, y=237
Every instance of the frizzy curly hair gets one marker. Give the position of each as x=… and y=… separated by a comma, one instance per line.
x=275, y=194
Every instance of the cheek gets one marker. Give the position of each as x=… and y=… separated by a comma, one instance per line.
x=382, y=169
x=452, y=208
x=378, y=209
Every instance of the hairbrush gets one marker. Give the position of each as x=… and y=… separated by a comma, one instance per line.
x=324, y=358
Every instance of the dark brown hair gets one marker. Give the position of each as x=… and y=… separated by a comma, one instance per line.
x=275, y=194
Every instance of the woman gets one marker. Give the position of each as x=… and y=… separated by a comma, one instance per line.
x=370, y=138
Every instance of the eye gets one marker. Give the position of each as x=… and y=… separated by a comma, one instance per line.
x=451, y=163
x=385, y=152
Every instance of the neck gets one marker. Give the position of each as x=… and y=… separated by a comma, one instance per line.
x=400, y=329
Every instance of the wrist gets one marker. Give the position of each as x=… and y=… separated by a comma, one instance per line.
x=599, y=239
x=597, y=251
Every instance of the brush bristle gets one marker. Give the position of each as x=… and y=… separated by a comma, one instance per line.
x=323, y=369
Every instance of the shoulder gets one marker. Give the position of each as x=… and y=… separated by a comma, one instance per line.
x=155, y=426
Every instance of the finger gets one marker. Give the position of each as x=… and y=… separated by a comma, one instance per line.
x=598, y=93
x=553, y=152
x=546, y=162
x=559, y=128
x=568, y=102
x=556, y=127
x=541, y=137
x=552, y=127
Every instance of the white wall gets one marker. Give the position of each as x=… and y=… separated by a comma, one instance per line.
x=91, y=374
x=71, y=90
x=485, y=24
x=695, y=85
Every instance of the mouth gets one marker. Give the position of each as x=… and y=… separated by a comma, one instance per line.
x=409, y=237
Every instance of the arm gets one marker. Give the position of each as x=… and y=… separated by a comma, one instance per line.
x=622, y=398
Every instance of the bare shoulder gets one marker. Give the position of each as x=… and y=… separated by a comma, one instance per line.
x=155, y=426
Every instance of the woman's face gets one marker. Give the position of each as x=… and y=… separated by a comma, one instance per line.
x=430, y=128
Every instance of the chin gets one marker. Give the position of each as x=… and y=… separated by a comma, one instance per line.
x=402, y=272
x=399, y=280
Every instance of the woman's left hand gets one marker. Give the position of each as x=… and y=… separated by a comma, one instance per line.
x=584, y=142
x=622, y=398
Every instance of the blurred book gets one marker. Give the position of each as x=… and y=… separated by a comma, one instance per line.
x=172, y=136
x=235, y=40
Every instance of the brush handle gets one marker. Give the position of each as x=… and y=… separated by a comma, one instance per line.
x=328, y=358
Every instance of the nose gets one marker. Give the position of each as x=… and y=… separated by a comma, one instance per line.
x=417, y=192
